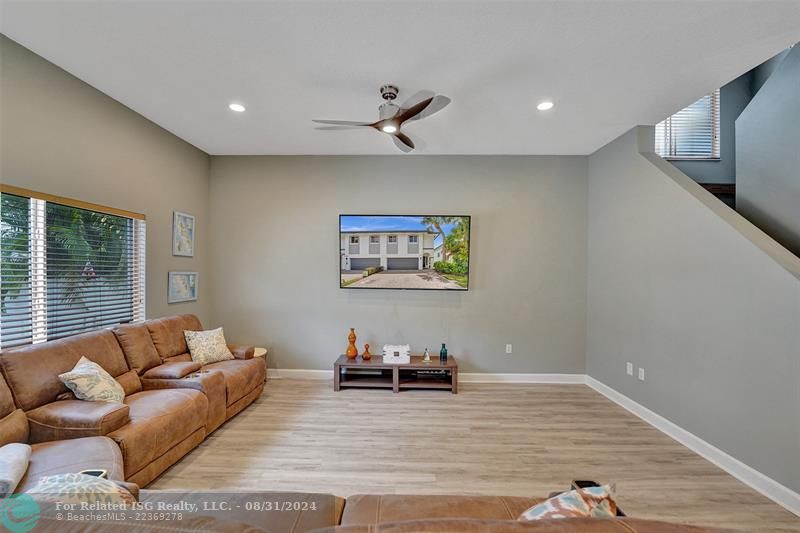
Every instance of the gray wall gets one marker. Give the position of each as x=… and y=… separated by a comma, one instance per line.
x=60, y=136
x=675, y=289
x=734, y=97
x=768, y=155
x=762, y=72
x=275, y=261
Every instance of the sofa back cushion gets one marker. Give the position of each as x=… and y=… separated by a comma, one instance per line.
x=6, y=399
x=130, y=382
x=138, y=347
x=32, y=371
x=168, y=338
x=13, y=422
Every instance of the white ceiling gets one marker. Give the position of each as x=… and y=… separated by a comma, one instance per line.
x=608, y=65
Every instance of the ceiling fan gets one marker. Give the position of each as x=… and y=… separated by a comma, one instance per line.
x=392, y=117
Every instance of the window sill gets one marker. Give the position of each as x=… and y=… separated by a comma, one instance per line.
x=692, y=158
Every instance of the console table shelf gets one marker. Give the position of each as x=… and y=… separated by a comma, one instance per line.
x=414, y=375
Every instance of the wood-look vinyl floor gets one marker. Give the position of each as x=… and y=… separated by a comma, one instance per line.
x=514, y=440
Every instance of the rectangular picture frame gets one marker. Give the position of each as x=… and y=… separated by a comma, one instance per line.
x=182, y=287
x=183, y=230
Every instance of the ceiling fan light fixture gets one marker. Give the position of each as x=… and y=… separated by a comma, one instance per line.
x=239, y=108
x=389, y=128
x=545, y=106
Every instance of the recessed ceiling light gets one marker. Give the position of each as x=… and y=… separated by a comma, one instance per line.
x=544, y=106
x=239, y=108
x=389, y=128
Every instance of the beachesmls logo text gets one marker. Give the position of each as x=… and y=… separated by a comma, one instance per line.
x=19, y=513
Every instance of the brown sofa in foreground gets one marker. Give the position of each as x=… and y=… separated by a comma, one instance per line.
x=395, y=513
x=170, y=405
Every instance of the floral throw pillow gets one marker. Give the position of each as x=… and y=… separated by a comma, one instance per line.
x=591, y=502
x=79, y=489
x=207, y=346
x=88, y=381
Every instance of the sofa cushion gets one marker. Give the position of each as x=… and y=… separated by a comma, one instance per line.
x=589, y=502
x=13, y=423
x=140, y=352
x=6, y=399
x=167, y=334
x=32, y=370
x=377, y=508
x=207, y=346
x=241, y=376
x=71, y=419
x=159, y=419
x=14, y=428
x=172, y=370
x=88, y=381
x=14, y=459
x=64, y=456
x=79, y=489
x=130, y=382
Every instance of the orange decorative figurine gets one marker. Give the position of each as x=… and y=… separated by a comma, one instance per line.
x=352, y=351
x=366, y=356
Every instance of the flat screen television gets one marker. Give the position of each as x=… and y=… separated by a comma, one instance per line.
x=411, y=252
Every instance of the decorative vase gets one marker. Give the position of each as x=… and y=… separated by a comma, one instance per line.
x=443, y=354
x=366, y=356
x=352, y=351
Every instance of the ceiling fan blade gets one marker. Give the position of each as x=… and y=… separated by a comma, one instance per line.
x=439, y=102
x=416, y=98
x=403, y=141
x=338, y=128
x=342, y=122
x=414, y=110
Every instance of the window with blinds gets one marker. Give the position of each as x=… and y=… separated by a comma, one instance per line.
x=67, y=267
x=692, y=133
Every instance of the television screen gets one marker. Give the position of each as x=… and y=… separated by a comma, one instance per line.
x=404, y=252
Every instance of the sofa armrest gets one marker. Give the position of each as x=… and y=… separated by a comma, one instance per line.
x=242, y=351
x=172, y=370
x=72, y=419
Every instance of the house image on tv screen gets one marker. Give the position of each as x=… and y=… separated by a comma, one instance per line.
x=392, y=250
x=412, y=245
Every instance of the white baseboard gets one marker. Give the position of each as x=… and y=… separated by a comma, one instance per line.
x=298, y=373
x=479, y=377
x=783, y=496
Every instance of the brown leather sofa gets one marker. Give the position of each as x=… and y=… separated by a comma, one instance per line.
x=394, y=513
x=171, y=403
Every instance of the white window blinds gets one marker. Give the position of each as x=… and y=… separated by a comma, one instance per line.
x=693, y=132
x=67, y=269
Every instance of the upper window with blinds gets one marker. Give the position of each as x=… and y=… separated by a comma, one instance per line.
x=67, y=267
x=692, y=133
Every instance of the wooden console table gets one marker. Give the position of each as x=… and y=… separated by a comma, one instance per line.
x=414, y=375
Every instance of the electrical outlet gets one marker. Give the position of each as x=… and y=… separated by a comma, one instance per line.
x=641, y=374
x=629, y=368
x=508, y=348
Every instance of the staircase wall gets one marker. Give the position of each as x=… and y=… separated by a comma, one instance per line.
x=768, y=155
x=707, y=304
